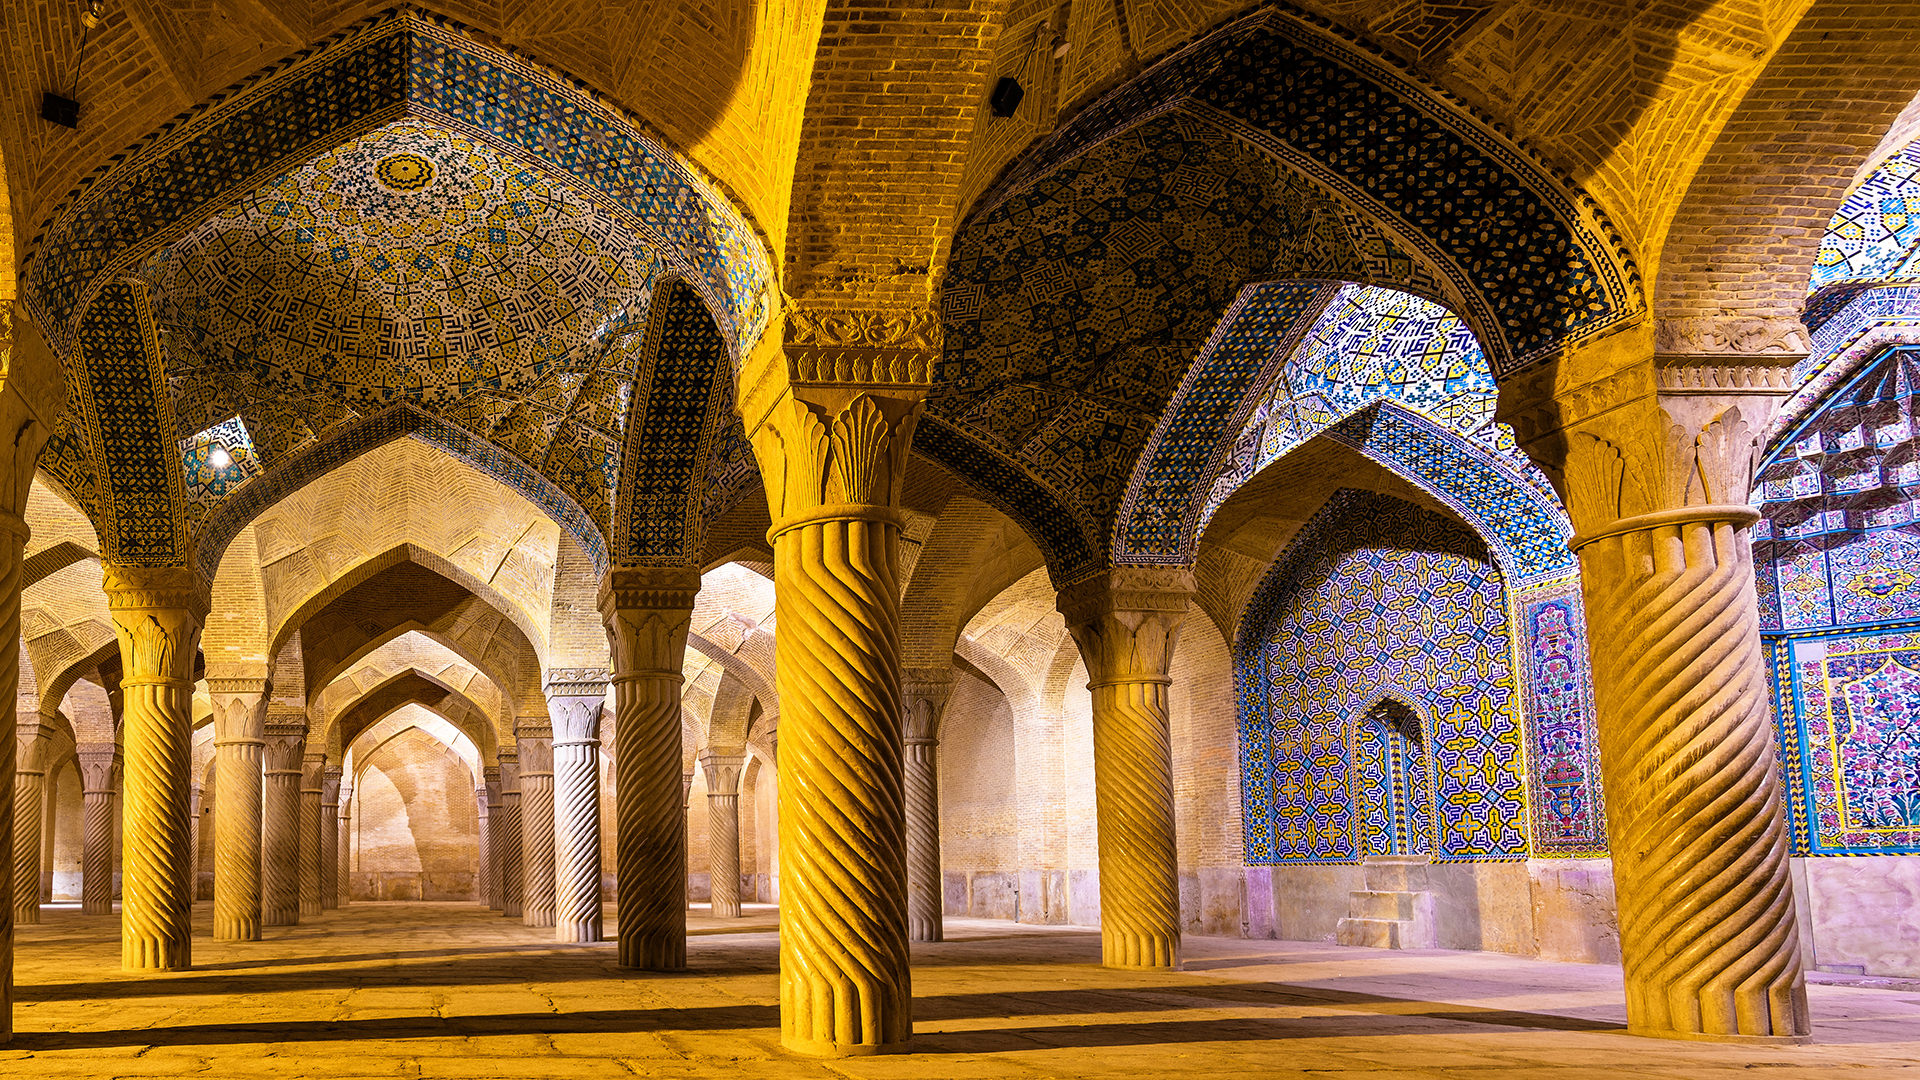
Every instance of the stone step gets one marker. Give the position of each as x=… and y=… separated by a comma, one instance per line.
x=1373, y=933
x=1395, y=873
x=1382, y=905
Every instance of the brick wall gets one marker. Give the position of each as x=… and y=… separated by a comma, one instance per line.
x=416, y=823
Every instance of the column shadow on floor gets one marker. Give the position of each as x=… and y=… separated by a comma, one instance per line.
x=1360, y=1015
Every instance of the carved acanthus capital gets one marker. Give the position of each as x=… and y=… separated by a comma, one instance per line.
x=239, y=710
x=1738, y=337
x=34, y=745
x=1127, y=620
x=923, y=695
x=574, y=700
x=313, y=770
x=722, y=768
x=157, y=614
x=99, y=766
x=1697, y=470
x=578, y=682
x=647, y=612
x=285, y=746
x=835, y=453
x=331, y=783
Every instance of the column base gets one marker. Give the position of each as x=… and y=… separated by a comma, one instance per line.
x=1702, y=1036
x=827, y=1049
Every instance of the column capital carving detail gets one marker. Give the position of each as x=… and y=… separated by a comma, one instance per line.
x=1127, y=620
x=722, y=769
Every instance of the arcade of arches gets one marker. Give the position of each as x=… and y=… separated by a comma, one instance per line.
x=1373, y=535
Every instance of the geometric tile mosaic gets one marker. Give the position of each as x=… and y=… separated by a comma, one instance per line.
x=1374, y=599
x=1373, y=344
x=1875, y=235
x=219, y=460
x=1839, y=540
x=399, y=214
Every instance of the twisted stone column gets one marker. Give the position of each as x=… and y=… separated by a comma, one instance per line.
x=197, y=810
x=833, y=460
x=312, y=772
x=99, y=779
x=329, y=839
x=1126, y=623
x=723, y=829
x=574, y=700
x=512, y=846
x=157, y=616
x=483, y=877
x=496, y=842
x=1708, y=933
x=925, y=692
x=280, y=832
x=536, y=819
x=343, y=845
x=13, y=539
x=646, y=611
x=33, y=744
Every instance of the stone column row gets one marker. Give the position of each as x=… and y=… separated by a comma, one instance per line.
x=329, y=839
x=239, y=742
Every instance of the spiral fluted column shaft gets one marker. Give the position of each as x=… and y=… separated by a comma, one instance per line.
x=238, y=764
x=576, y=842
x=723, y=854
x=844, y=978
x=311, y=847
x=343, y=854
x=510, y=843
x=96, y=851
x=650, y=852
x=1707, y=924
x=496, y=843
x=1133, y=800
x=536, y=823
x=280, y=831
x=925, y=920
x=13, y=539
x=483, y=880
x=329, y=856
x=29, y=806
x=156, y=934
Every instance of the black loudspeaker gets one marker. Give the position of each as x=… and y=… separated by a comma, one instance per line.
x=1006, y=96
x=59, y=110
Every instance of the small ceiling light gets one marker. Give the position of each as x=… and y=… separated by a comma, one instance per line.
x=65, y=110
x=218, y=456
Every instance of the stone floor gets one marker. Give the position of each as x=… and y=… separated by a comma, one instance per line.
x=429, y=990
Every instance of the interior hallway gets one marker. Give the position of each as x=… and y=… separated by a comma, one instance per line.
x=427, y=990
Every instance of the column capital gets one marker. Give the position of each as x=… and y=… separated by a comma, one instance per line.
x=647, y=612
x=924, y=692
x=648, y=588
x=239, y=709
x=158, y=612
x=98, y=764
x=313, y=768
x=722, y=768
x=836, y=453
x=1126, y=620
x=33, y=740
x=330, y=782
x=816, y=344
